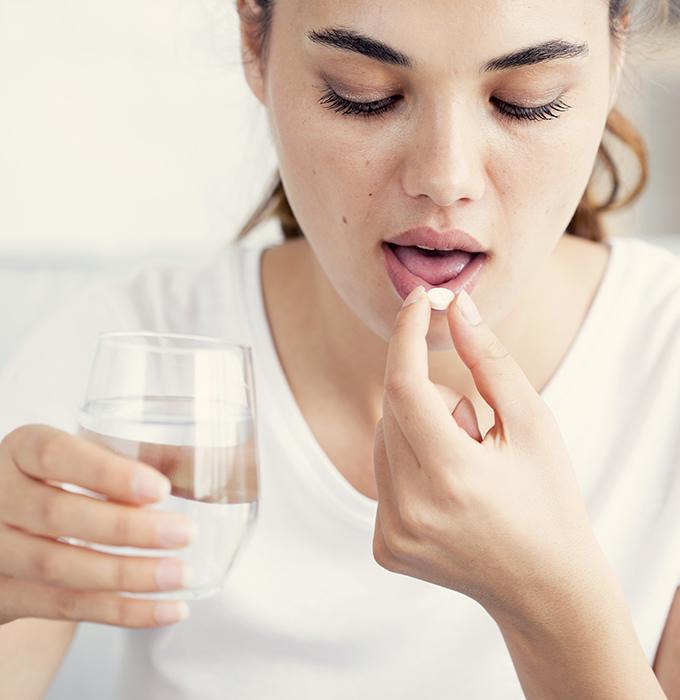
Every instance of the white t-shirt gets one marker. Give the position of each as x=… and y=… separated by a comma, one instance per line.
x=307, y=612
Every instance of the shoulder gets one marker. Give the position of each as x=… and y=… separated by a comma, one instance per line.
x=162, y=283
x=45, y=374
x=203, y=296
x=649, y=257
x=644, y=306
x=647, y=276
x=633, y=278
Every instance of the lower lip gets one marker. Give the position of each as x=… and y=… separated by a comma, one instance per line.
x=405, y=281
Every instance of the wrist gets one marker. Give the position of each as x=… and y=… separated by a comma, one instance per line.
x=579, y=643
x=583, y=589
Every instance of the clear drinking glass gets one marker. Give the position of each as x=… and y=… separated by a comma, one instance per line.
x=185, y=405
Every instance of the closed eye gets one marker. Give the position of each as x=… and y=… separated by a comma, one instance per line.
x=380, y=108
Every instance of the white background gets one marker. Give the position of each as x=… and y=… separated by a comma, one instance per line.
x=127, y=132
x=126, y=127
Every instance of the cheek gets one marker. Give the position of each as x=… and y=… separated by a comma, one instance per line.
x=327, y=165
x=559, y=155
x=551, y=167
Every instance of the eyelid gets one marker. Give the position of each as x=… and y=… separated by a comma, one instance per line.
x=525, y=101
x=360, y=94
x=521, y=97
x=531, y=98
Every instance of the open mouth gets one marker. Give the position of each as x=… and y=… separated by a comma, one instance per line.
x=433, y=266
x=410, y=266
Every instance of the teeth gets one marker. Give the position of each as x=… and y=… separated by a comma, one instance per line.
x=441, y=250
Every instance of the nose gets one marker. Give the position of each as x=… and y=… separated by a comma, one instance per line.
x=444, y=161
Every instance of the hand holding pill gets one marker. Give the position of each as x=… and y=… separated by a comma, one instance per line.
x=500, y=518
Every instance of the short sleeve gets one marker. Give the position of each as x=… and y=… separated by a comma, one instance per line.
x=45, y=378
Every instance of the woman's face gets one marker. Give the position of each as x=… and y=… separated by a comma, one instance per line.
x=444, y=154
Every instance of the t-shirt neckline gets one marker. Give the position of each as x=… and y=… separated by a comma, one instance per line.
x=320, y=468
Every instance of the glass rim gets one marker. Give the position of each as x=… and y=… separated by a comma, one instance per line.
x=212, y=343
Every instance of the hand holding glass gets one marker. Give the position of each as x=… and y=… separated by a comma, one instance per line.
x=184, y=405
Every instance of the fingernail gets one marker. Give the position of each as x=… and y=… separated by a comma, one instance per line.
x=176, y=533
x=148, y=486
x=468, y=308
x=166, y=613
x=172, y=574
x=414, y=296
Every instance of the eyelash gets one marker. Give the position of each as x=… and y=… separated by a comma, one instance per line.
x=381, y=107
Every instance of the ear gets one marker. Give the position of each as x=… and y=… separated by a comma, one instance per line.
x=248, y=12
x=618, y=58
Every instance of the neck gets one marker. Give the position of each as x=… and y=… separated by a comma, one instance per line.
x=323, y=335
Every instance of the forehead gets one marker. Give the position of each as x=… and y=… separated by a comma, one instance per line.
x=451, y=35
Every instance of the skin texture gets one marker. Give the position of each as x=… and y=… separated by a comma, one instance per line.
x=444, y=157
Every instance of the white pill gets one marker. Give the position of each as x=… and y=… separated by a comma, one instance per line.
x=440, y=298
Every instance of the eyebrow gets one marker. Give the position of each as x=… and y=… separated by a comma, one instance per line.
x=351, y=40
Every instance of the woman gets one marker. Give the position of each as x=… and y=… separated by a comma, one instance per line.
x=517, y=450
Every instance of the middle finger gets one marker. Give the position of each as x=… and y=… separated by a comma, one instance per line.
x=70, y=566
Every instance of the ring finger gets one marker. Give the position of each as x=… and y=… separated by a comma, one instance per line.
x=71, y=566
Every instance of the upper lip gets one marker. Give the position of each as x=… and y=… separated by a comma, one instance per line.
x=446, y=240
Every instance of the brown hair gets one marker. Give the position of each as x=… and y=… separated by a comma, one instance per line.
x=587, y=219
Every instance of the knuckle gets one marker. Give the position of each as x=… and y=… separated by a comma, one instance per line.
x=124, y=613
x=124, y=578
x=395, y=543
x=456, y=490
x=45, y=566
x=98, y=471
x=495, y=350
x=49, y=512
x=383, y=556
x=534, y=423
x=122, y=528
x=66, y=603
x=415, y=522
x=51, y=451
x=397, y=385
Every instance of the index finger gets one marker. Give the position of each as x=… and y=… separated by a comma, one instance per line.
x=48, y=454
x=416, y=403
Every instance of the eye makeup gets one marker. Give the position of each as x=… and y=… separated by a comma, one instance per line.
x=379, y=108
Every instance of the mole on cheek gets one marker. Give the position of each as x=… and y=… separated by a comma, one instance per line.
x=368, y=162
x=344, y=219
x=370, y=194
